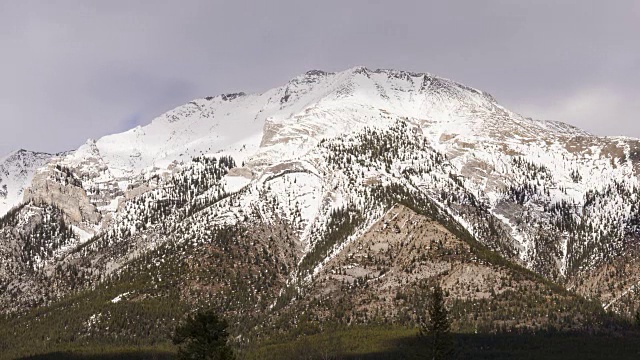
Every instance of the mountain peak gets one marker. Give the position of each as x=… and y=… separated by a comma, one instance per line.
x=23, y=154
x=16, y=172
x=308, y=108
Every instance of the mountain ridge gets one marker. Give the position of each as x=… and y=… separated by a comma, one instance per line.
x=171, y=115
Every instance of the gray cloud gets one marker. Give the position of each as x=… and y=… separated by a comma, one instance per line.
x=72, y=70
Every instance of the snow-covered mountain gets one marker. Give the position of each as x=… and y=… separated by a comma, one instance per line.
x=323, y=158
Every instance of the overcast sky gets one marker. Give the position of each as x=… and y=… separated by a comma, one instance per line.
x=73, y=70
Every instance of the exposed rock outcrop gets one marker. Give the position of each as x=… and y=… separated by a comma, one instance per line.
x=70, y=198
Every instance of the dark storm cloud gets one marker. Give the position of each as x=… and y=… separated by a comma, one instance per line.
x=72, y=70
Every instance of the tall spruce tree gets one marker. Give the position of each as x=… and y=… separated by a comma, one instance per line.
x=203, y=336
x=436, y=328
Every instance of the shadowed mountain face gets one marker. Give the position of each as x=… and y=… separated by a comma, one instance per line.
x=334, y=199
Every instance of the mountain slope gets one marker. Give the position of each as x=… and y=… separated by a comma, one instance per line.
x=381, y=278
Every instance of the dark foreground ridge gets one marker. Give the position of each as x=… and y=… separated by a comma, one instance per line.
x=380, y=344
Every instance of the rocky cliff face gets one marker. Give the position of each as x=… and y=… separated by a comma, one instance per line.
x=319, y=162
x=16, y=171
x=59, y=186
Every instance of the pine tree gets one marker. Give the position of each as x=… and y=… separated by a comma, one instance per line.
x=203, y=336
x=436, y=328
